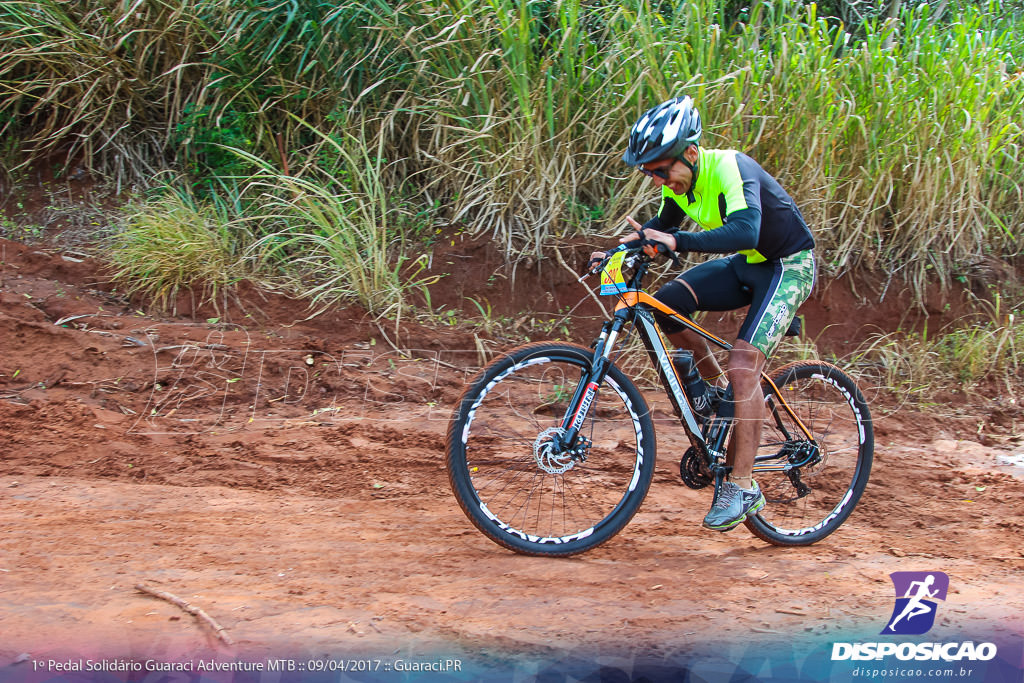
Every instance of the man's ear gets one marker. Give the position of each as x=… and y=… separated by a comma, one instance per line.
x=691, y=154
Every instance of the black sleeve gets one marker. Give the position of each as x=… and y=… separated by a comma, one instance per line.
x=741, y=231
x=670, y=215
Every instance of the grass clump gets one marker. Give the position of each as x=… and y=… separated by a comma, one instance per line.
x=331, y=245
x=177, y=243
x=334, y=230
x=982, y=355
x=325, y=235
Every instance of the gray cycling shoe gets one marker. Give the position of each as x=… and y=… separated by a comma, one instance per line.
x=732, y=505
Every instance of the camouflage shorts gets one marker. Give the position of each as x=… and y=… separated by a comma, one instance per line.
x=791, y=284
x=773, y=289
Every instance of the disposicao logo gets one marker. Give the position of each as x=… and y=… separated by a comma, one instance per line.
x=916, y=593
x=914, y=614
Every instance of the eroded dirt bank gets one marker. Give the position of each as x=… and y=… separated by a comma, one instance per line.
x=289, y=480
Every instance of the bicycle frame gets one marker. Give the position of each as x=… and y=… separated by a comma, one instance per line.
x=637, y=307
x=551, y=449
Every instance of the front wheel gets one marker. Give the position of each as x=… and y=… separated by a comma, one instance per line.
x=514, y=481
x=811, y=482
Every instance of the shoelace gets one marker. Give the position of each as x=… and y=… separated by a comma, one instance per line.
x=727, y=495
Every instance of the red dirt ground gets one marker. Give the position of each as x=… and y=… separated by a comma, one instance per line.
x=288, y=479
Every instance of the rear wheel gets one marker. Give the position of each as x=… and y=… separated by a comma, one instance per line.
x=811, y=483
x=513, y=480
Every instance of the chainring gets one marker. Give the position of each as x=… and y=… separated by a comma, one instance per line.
x=694, y=470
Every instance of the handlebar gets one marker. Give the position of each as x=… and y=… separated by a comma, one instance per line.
x=633, y=247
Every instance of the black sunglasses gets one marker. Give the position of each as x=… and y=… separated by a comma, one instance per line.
x=658, y=173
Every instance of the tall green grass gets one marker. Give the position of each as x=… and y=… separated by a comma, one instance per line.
x=900, y=139
x=325, y=233
x=103, y=82
x=336, y=236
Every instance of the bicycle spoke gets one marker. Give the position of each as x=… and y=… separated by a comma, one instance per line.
x=519, y=489
x=828, y=472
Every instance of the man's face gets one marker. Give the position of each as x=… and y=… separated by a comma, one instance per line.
x=671, y=172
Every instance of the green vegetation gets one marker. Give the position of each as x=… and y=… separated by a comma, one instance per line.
x=177, y=242
x=315, y=141
x=901, y=138
x=918, y=366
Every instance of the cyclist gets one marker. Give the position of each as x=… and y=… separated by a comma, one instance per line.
x=744, y=212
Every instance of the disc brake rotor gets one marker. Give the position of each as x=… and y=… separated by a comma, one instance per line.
x=549, y=458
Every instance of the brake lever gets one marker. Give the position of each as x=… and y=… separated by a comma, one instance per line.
x=665, y=251
x=660, y=247
x=595, y=265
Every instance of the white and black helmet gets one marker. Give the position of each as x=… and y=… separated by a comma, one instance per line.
x=663, y=132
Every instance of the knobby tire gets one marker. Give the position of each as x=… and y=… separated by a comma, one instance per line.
x=833, y=409
x=554, y=506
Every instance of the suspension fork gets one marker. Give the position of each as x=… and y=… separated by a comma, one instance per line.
x=586, y=391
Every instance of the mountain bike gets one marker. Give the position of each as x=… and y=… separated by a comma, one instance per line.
x=551, y=447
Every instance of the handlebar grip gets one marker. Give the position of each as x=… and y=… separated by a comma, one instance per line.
x=632, y=244
x=665, y=251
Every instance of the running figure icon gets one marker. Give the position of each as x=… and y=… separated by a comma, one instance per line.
x=914, y=612
x=916, y=607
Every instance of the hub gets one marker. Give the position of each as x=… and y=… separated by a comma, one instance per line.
x=553, y=457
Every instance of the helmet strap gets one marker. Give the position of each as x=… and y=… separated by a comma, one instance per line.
x=694, y=172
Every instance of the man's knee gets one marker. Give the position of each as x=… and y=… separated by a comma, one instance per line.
x=677, y=295
x=744, y=371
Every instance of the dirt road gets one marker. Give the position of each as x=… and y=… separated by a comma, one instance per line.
x=289, y=481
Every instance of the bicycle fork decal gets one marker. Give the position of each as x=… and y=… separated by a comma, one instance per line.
x=581, y=413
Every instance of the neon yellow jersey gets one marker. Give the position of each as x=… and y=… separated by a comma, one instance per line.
x=730, y=182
